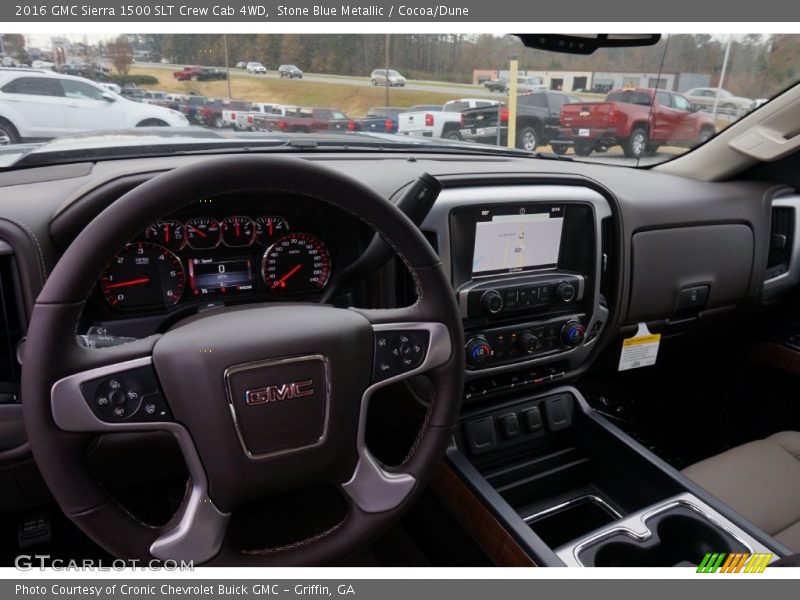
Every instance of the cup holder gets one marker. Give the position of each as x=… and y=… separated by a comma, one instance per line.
x=680, y=537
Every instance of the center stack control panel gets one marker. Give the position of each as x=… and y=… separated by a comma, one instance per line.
x=539, y=301
x=526, y=263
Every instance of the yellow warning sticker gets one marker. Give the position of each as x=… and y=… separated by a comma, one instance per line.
x=641, y=350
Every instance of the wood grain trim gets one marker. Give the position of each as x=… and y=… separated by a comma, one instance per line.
x=487, y=531
x=775, y=355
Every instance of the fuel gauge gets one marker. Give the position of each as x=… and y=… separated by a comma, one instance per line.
x=268, y=229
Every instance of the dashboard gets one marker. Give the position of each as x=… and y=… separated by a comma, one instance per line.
x=592, y=250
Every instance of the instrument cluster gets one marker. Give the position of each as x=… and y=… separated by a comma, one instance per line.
x=177, y=260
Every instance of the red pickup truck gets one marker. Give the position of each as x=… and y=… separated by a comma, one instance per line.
x=187, y=73
x=304, y=120
x=640, y=120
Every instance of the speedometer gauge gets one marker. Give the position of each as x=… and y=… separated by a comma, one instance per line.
x=143, y=275
x=297, y=263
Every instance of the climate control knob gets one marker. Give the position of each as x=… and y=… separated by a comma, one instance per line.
x=478, y=351
x=529, y=342
x=572, y=334
x=566, y=292
x=492, y=302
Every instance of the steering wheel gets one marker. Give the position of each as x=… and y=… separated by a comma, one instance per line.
x=261, y=398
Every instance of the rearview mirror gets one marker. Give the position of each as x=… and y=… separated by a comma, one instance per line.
x=586, y=44
x=108, y=97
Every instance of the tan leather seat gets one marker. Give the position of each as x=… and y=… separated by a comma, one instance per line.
x=761, y=481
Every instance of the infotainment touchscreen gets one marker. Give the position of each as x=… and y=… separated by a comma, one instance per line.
x=517, y=239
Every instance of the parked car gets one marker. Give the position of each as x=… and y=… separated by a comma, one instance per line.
x=42, y=64
x=187, y=73
x=389, y=78
x=245, y=120
x=190, y=105
x=304, y=120
x=537, y=121
x=241, y=65
x=496, y=85
x=256, y=68
x=39, y=104
x=211, y=74
x=131, y=92
x=111, y=87
x=379, y=119
x=444, y=123
x=156, y=97
x=706, y=98
x=528, y=85
x=290, y=71
x=221, y=114
x=639, y=120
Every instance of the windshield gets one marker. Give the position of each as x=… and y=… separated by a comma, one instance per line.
x=633, y=106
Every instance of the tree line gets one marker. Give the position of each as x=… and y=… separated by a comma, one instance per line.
x=758, y=65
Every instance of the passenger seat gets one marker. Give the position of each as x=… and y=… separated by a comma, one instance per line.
x=761, y=481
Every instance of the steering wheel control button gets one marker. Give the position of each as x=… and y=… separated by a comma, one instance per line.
x=122, y=396
x=398, y=352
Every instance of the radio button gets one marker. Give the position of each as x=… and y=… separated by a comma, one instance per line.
x=566, y=292
x=491, y=302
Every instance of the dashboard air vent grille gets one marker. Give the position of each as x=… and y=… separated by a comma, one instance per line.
x=12, y=318
x=607, y=258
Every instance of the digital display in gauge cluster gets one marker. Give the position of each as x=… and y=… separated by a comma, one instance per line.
x=215, y=255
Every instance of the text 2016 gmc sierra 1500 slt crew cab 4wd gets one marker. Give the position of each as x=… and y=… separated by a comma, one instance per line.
x=640, y=120
x=538, y=119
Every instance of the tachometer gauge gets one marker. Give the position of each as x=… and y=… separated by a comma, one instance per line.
x=297, y=263
x=268, y=229
x=202, y=233
x=170, y=234
x=143, y=275
x=238, y=231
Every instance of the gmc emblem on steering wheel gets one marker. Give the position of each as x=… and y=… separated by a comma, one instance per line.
x=273, y=393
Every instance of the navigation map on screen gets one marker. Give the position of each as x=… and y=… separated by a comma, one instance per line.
x=516, y=242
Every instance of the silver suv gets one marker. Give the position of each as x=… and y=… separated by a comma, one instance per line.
x=388, y=77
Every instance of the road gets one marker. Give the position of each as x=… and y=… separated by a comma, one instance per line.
x=458, y=90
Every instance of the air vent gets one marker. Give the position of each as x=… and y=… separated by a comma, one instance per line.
x=12, y=320
x=607, y=259
x=781, y=240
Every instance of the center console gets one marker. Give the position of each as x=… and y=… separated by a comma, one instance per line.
x=531, y=267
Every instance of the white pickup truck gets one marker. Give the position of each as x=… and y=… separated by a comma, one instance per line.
x=443, y=124
x=244, y=120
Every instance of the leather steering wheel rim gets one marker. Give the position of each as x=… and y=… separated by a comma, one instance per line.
x=53, y=356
